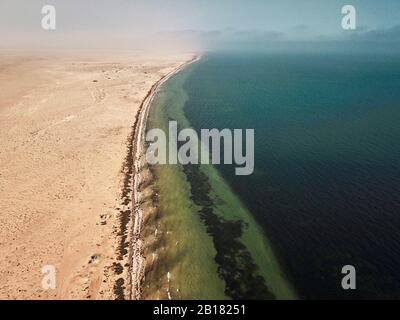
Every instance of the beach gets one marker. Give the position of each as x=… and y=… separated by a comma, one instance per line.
x=66, y=124
x=141, y=178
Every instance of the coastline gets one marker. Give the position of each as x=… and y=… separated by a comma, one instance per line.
x=194, y=210
x=136, y=159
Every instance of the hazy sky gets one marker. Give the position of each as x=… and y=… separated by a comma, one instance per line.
x=194, y=23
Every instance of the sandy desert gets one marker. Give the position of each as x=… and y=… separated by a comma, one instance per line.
x=64, y=121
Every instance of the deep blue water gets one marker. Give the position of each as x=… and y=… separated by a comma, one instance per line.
x=326, y=186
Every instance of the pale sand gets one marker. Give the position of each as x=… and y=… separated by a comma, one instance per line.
x=64, y=126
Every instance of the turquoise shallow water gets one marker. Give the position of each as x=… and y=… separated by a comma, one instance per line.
x=326, y=185
x=207, y=241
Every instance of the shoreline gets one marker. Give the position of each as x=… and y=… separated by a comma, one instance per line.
x=187, y=239
x=136, y=260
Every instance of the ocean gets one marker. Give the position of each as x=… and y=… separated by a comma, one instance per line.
x=325, y=188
